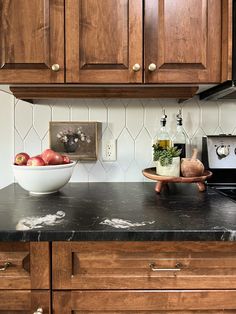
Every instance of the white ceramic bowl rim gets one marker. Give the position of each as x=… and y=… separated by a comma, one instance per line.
x=35, y=168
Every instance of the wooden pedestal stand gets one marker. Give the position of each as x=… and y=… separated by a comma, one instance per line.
x=162, y=181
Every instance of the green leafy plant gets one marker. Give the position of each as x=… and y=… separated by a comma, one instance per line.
x=165, y=155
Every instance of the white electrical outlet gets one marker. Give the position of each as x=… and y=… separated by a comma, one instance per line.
x=109, y=150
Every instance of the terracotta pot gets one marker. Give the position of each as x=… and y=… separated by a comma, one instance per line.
x=191, y=167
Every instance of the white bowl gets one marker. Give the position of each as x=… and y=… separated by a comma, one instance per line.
x=43, y=179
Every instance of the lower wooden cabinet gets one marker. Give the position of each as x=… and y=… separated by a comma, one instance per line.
x=152, y=301
x=24, y=302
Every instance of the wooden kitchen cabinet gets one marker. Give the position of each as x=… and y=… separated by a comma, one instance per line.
x=183, y=41
x=32, y=41
x=24, y=277
x=115, y=41
x=104, y=41
x=144, y=277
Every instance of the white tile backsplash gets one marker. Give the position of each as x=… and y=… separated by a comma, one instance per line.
x=132, y=122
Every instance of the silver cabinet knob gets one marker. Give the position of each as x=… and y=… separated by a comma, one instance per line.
x=39, y=311
x=55, y=67
x=152, y=67
x=136, y=67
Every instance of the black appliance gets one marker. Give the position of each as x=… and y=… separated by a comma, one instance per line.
x=219, y=156
x=226, y=90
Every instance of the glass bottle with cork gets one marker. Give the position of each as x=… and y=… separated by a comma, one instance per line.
x=179, y=138
x=163, y=138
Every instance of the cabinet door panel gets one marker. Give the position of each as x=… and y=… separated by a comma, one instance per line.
x=32, y=39
x=28, y=265
x=103, y=41
x=183, y=38
x=24, y=302
x=149, y=302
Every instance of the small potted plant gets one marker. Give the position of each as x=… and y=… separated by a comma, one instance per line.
x=70, y=139
x=167, y=160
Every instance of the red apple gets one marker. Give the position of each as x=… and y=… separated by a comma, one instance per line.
x=21, y=159
x=66, y=159
x=51, y=158
x=35, y=161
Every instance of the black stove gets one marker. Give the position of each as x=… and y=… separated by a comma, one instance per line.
x=219, y=156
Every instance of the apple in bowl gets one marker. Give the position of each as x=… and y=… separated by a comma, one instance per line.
x=40, y=177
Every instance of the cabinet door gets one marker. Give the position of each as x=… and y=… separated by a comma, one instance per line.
x=145, y=302
x=24, y=302
x=183, y=40
x=24, y=265
x=103, y=41
x=32, y=40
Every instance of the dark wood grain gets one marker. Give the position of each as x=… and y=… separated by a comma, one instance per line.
x=103, y=41
x=118, y=265
x=139, y=91
x=29, y=267
x=183, y=38
x=32, y=39
x=24, y=302
x=145, y=302
x=227, y=40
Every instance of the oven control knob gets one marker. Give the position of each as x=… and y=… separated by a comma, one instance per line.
x=222, y=151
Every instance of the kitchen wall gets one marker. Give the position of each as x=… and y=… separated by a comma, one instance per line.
x=6, y=135
x=133, y=122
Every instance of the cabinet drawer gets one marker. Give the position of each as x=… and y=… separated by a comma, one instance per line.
x=127, y=265
x=24, y=265
x=24, y=302
x=148, y=302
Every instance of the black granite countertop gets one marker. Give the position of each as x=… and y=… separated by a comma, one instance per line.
x=117, y=211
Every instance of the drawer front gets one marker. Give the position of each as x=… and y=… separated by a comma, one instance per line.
x=24, y=265
x=129, y=265
x=24, y=302
x=140, y=302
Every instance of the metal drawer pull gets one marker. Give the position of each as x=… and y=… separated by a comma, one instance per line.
x=39, y=311
x=5, y=266
x=155, y=268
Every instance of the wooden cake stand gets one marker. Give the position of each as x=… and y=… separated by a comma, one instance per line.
x=162, y=181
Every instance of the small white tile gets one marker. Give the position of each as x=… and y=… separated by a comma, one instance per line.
x=134, y=118
x=23, y=117
x=60, y=113
x=125, y=150
x=191, y=117
x=116, y=117
x=19, y=143
x=80, y=174
x=45, y=142
x=79, y=110
x=134, y=173
x=115, y=173
x=97, y=174
x=227, y=116
x=143, y=149
x=209, y=116
x=152, y=116
x=32, y=143
x=41, y=117
x=97, y=112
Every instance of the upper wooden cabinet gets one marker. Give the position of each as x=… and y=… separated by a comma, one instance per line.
x=32, y=41
x=185, y=41
x=103, y=41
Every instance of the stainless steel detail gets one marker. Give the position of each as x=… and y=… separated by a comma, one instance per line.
x=154, y=267
x=152, y=67
x=5, y=266
x=55, y=67
x=222, y=151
